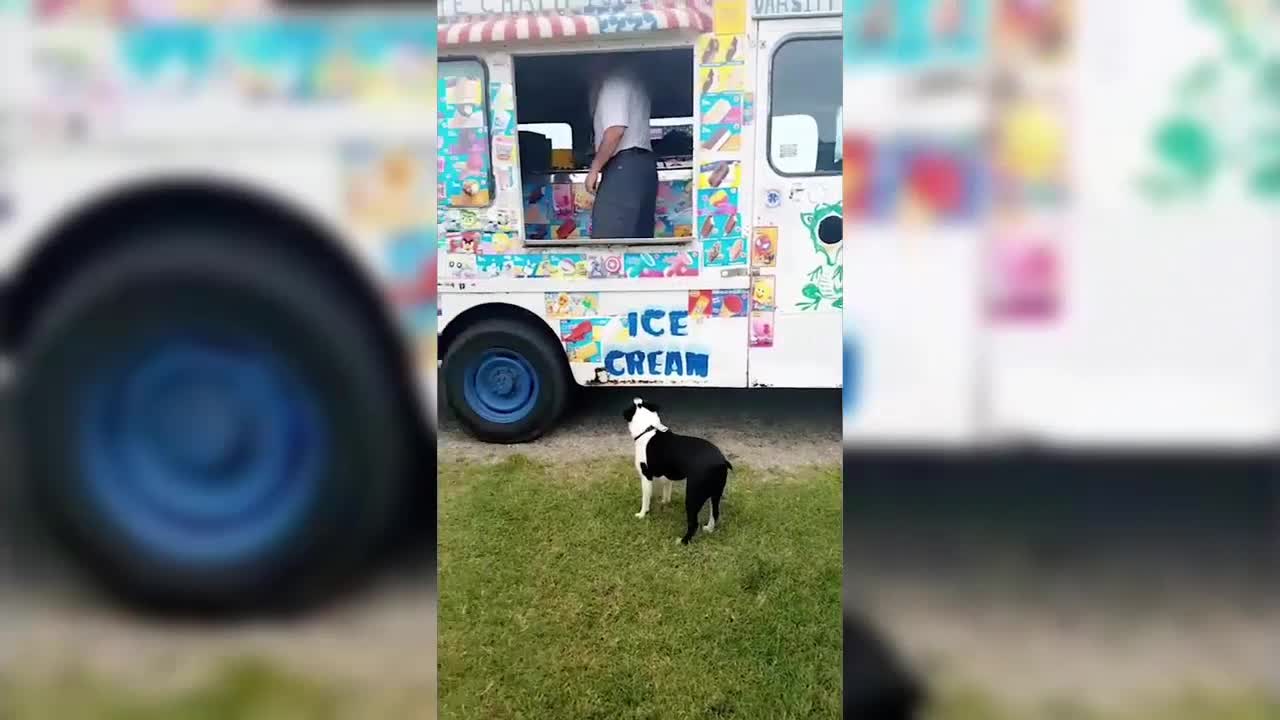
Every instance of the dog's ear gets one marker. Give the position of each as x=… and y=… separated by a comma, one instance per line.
x=629, y=413
x=651, y=407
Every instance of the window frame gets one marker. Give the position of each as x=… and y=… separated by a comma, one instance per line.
x=522, y=128
x=768, y=139
x=490, y=177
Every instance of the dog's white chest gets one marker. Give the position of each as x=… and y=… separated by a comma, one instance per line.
x=642, y=451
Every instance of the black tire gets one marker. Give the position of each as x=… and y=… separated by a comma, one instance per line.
x=222, y=282
x=544, y=358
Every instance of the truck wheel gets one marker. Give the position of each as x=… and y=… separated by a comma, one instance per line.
x=210, y=423
x=506, y=381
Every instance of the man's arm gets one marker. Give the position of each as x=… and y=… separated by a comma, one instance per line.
x=608, y=146
x=612, y=105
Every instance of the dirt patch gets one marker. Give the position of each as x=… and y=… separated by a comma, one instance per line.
x=383, y=642
x=764, y=428
x=1026, y=653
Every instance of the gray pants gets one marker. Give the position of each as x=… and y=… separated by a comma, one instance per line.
x=627, y=198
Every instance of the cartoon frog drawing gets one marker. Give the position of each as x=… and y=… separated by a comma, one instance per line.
x=826, y=281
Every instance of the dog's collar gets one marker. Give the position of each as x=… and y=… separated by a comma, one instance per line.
x=646, y=431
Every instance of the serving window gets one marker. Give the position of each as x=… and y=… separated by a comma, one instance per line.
x=556, y=143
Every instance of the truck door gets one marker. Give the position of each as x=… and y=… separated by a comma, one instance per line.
x=797, y=235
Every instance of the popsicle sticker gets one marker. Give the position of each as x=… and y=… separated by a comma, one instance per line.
x=582, y=200
x=718, y=201
x=761, y=335
x=582, y=338
x=572, y=304
x=1040, y=28
x=721, y=138
x=720, y=174
x=537, y=204
x=463, y=90
x=720, y=50
x=699, y=303
x=935, y=181
x=719, y=226
x=563, y=200
x=1026, y=278
x=567, y=229
x=721, y=109
x=878, y=23
x=722, y=79
x=498, y=243
x=723, y=252
x=729, y=303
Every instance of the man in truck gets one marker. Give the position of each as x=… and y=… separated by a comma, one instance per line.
x=624, y=172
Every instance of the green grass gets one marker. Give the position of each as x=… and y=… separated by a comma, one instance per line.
x=243, y=689
x=973, y=704
x=256, y=690
x=556, y=602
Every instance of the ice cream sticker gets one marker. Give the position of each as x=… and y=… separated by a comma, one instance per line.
x=762, y=293
x=721, y=109
x=720, y=174
x=764, y=247
x=582, y=338
x=911, y=31
x=1031, y=154
x=721, y=79
x=719, y=226
x=1033, y=29
x=720, y=138
x=388, y=190
x=761, y=330
x=661, y=264
x=720, y=201
x=572, y=305
x=925, y=181
x=1025, y=272
x=724, y=252
x=718, y=303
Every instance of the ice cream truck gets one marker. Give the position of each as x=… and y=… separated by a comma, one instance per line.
x=1063, y=222
x=741, y=284
x=217, y=251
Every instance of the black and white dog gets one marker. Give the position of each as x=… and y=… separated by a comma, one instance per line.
x=661, y=453
x=877, y=685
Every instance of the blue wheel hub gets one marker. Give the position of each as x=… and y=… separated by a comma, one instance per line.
x=501, y=386
x=201, y=453
x=852, y=374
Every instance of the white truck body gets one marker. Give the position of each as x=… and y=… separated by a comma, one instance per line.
x=98, y=108
x=1136, y=309
x=695, y=306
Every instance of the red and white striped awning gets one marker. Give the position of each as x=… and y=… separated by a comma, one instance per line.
x=649, y=16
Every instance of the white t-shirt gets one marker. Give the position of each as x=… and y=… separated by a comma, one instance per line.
x=622, y=100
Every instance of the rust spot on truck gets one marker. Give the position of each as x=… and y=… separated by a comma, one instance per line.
x=602, y=378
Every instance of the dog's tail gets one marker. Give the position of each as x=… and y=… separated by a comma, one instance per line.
x=728, y=465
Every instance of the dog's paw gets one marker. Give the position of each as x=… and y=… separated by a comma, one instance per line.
x=681, y=541
x=641, y=514
x=709, y=528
